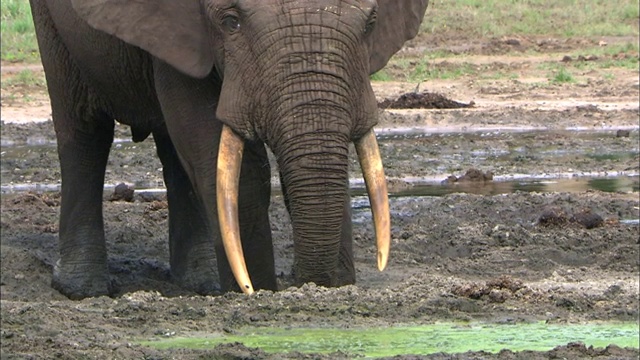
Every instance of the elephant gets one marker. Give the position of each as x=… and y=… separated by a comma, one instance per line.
x=216, y=82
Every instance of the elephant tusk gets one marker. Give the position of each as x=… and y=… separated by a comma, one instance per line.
x=227, y=182
x=369, y=156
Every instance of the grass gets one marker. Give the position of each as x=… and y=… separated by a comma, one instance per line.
x=630, y=63
x=463, y=19
x=562, y=75
x=614, y=56
x=557, y=73
x=606, y=59
x=381, y=76
x=424, y=71
x=26, y=78
x=564, y=18
x=22, y=86
x=19, y=42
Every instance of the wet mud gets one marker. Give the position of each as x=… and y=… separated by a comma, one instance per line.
x=483, y=255
x=423, y=100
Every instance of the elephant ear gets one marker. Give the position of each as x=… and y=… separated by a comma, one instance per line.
x=398, y=21
x=173, y=31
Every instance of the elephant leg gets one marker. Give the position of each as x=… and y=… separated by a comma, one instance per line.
x=83, y=149
x=346, y=272
x=84, y=136
x=189, y=236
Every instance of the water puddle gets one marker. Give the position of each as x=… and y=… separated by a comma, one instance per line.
x=417, y=187
x=422, y=131
x=414, y=187
x=418, y=340
x=417, y=160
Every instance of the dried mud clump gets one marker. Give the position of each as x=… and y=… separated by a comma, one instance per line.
x=32, y=198
x=554, y=216
x=588, y=219
x=423, y=100
x=156, y=205
x=156, y=211
x=497, y=290
x=472, y=175
x=580, y=58
x=150, y=197
x=122, y=192
x=623, y=133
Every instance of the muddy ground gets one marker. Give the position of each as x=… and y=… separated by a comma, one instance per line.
x=561, y=257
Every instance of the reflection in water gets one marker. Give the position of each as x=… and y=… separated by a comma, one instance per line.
x=615, y=184
x=419, y=187
x=623, y=184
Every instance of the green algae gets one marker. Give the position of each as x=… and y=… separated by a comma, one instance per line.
x=419, y=340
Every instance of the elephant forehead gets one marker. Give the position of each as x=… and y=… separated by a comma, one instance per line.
x=309, y=11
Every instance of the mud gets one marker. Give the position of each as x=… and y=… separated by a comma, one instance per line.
x=423, y=100
x=517, y=257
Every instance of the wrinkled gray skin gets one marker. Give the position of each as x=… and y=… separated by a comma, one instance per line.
x=289, y=74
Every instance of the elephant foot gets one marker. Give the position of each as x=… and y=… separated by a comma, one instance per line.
x=345, y=277
x=79, y=281
x=202, y=283
x=346, y=272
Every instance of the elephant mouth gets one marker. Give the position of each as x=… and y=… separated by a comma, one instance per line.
x=228, y=179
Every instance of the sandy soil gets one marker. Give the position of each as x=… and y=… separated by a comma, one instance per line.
x=518, y=257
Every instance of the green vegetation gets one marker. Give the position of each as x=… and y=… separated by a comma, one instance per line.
x=564, y=18
x=420, y=340
x=630, y=63
x=29, y=78
x=610, y=50
x=623, y=56
x=424, y=71
x=611, y=156
x=467, y=20
x=561, y=75
x=18, y=35
x=381, y=76
x=464, y=20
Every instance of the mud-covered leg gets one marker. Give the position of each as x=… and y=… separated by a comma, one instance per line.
x=84, y=135
x=83, y=148
x=346, y=272
x=189, y=237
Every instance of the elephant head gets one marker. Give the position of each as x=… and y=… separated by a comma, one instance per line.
x=295, y=75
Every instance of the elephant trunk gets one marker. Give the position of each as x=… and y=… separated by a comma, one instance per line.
x=314, y=174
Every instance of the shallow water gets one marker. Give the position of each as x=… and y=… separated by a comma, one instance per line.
x=502, y=185
x=425, y=187
x=421, y=340
x=416, y=159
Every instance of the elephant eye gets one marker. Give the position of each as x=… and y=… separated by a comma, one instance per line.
x=371, y=22
x=231, y=23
